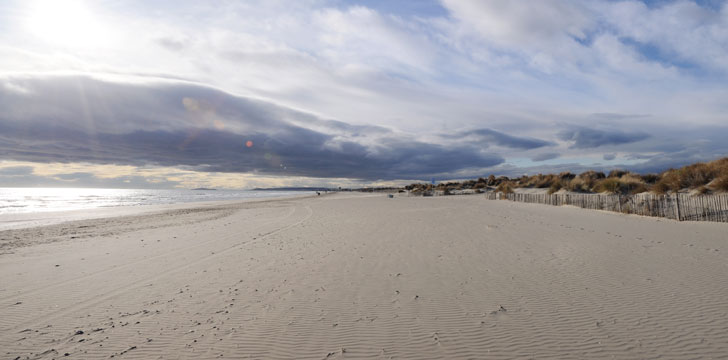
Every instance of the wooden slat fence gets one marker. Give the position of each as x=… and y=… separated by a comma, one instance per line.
x=674, y=206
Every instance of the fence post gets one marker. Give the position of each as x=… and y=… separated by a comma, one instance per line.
x=619, y=203
x=677, y=206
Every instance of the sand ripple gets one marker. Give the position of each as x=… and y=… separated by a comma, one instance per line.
x=370, y=277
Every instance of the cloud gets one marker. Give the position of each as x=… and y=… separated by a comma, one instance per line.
x=524, y=23
x=545, y=156
x=615, y=116
x=126, y=176
x=486, y=137
x=16, y=171
x=86, y=180
x=674, y=32
x=609, y=157
x=372, y=86
x=173, y=124
x=585, y=138
x=638, y=156
x=172, y=44
x=662, y=162
x=164, y=123
x=670, y=33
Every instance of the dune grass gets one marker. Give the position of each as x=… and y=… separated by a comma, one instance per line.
x=702, y=178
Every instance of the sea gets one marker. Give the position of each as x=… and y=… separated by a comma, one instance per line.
x=38, y=200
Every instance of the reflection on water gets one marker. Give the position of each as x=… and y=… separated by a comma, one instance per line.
x=30, y=200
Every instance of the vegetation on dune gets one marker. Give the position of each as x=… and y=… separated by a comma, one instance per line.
x=505, y=187
x=700, y=177
x=712, y=176
x=721, y=183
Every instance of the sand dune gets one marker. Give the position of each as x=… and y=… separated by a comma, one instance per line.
x=364, y=276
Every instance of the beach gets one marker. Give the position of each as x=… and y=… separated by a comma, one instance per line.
x=352, y=275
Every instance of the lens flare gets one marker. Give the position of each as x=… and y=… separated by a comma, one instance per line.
x=190, y=104
x=249, y=143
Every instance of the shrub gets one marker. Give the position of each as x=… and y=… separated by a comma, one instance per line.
x=702, y=176
x=697, y=175
x=607, y=185
x=501, y=179
x=554, y=187
x=660, y=188
x=566, y=176
x=491, y=180
x=539, y=181
x=590, y=178
x=650, y=178
x=632, y=183
x=505, y=187
x=591, y=174
x=617, y=173
x=691, y=176
x=529, y=181
x=545, y=181
x=636, y=188
x=577, y=184
x=720, y=166
x=632, y=178
x=720, y=184
x=669, y=181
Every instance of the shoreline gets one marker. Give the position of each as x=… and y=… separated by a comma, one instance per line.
x=46, y=218
x=364, y=275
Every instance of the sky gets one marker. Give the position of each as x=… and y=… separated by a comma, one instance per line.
x=243, y=94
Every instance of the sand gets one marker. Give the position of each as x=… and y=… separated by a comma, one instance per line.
x=364, y=276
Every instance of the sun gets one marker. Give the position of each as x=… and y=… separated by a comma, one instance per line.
x=67, y=23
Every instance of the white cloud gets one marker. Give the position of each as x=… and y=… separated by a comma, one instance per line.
x=527, y=68
x=534, y=24
x=683, y=30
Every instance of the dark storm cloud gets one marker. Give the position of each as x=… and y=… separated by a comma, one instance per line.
x=585, y=138
x=292, y=151
x=492, y=137
x=545, y=156
x=72, y=119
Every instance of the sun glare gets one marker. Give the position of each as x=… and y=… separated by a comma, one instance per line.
x=68, y=23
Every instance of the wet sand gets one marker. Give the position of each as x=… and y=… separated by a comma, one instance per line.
x=364, y=276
